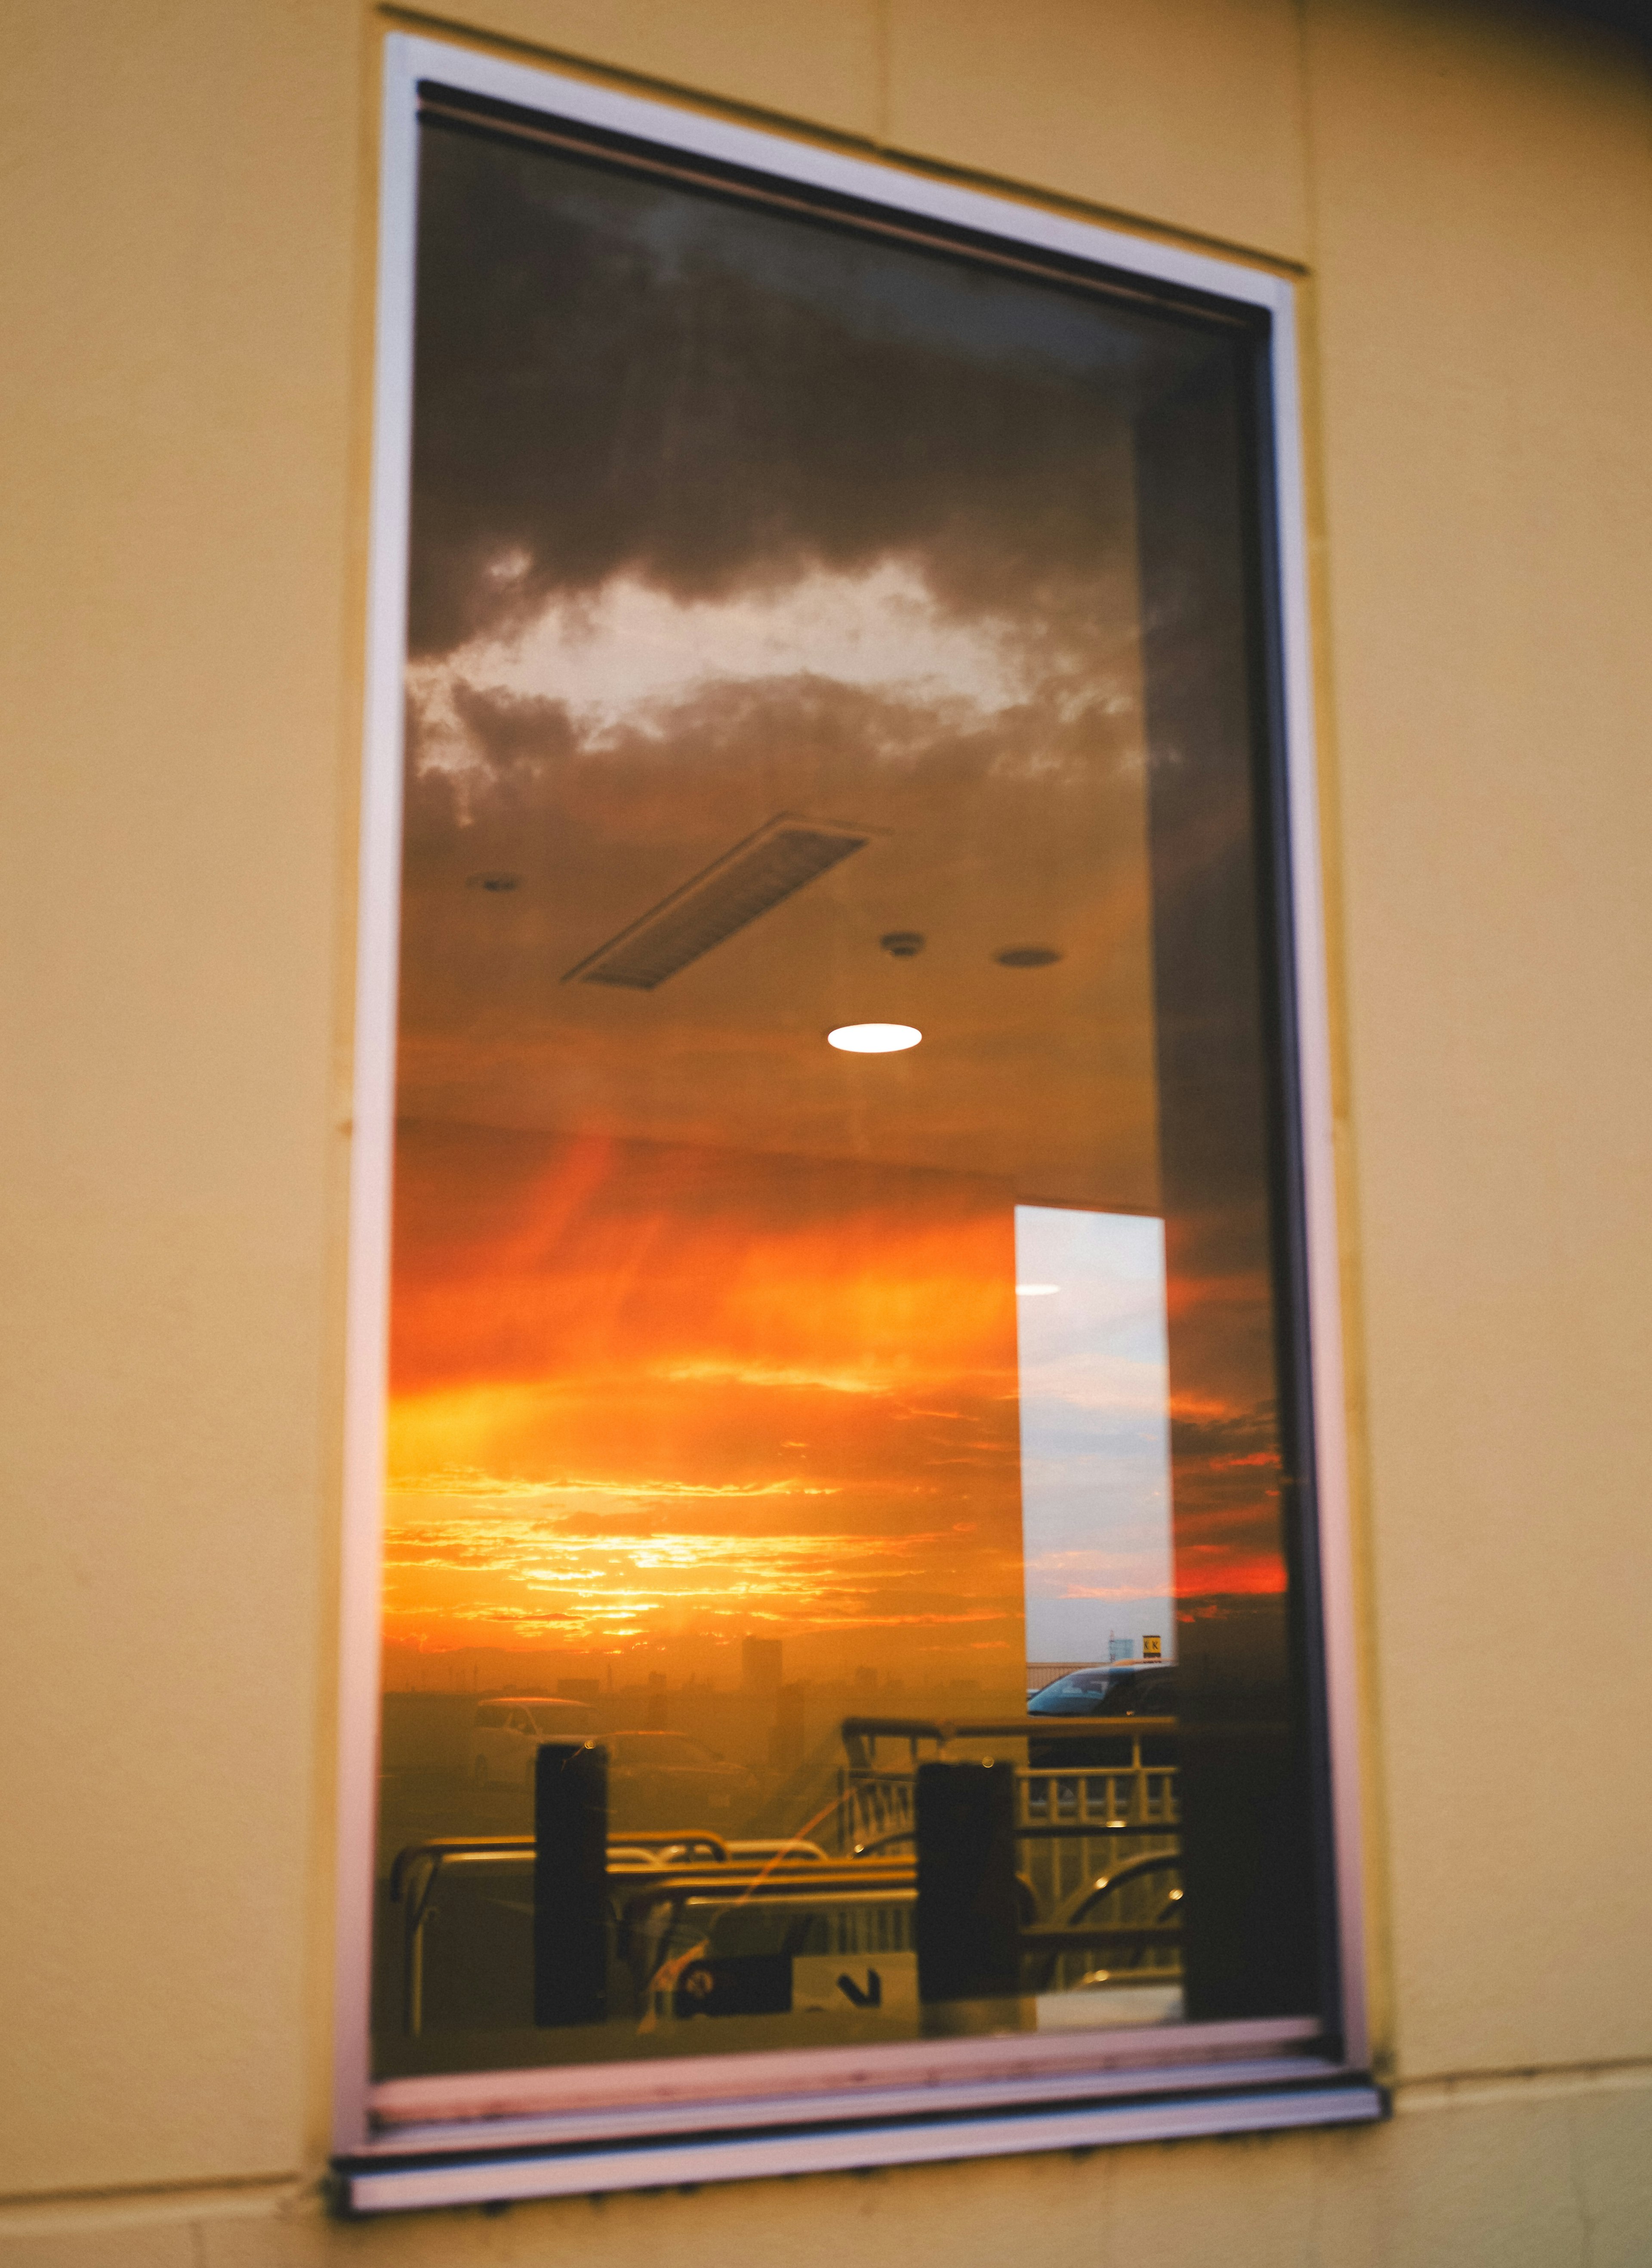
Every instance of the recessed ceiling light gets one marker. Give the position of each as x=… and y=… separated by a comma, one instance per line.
x=495, y=882
x=1026, y=956
x=1035, y=1291
x=874, y=1039
x=904, y=943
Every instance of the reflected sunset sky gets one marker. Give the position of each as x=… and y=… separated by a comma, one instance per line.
x=701, y=1330
x=664, y=1395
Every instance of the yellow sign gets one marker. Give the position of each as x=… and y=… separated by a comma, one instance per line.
x=1151, y=1650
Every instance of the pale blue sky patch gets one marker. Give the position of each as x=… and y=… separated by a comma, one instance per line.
x=1095, y=1432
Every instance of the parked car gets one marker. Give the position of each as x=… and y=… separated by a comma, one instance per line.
x=1117, y=1688
x=664, y=1780
x=505, y=1736
x=1113, y=1688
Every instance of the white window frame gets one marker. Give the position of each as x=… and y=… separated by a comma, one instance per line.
x=476, y=2137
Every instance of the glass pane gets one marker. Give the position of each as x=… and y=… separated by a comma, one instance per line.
x=837, y=1571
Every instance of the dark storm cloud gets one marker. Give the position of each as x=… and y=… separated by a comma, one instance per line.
x=615, y=377
x=514, y=729
x=519, y=758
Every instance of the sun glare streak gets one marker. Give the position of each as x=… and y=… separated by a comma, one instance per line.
x=489, y=1563
x=749, y=1373
x=465, y=1481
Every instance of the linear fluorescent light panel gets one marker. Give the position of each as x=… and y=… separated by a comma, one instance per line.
x=746, y=881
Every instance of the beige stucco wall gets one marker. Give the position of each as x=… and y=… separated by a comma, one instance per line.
x=187, y=270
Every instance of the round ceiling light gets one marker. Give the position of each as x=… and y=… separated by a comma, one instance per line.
x=1027, y=956
x=874, y=1039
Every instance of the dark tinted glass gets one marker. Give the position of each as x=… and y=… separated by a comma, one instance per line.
x=842, y=1200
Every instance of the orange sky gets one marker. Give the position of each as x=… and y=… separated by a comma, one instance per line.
x=646, y=1394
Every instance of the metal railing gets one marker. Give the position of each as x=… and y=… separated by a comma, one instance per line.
x=1054, y=1802
x=642, y=1886
x=1093, y=1839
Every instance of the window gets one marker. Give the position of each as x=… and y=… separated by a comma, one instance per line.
x=858, y=1309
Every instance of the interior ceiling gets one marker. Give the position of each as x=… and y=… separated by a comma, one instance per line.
x=1042, y=1076
x=719, y=518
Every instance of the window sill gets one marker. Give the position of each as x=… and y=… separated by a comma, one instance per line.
x=418, y=2170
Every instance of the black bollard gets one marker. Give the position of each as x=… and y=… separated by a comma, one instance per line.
x=968, y=1922
x=570, y=1883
